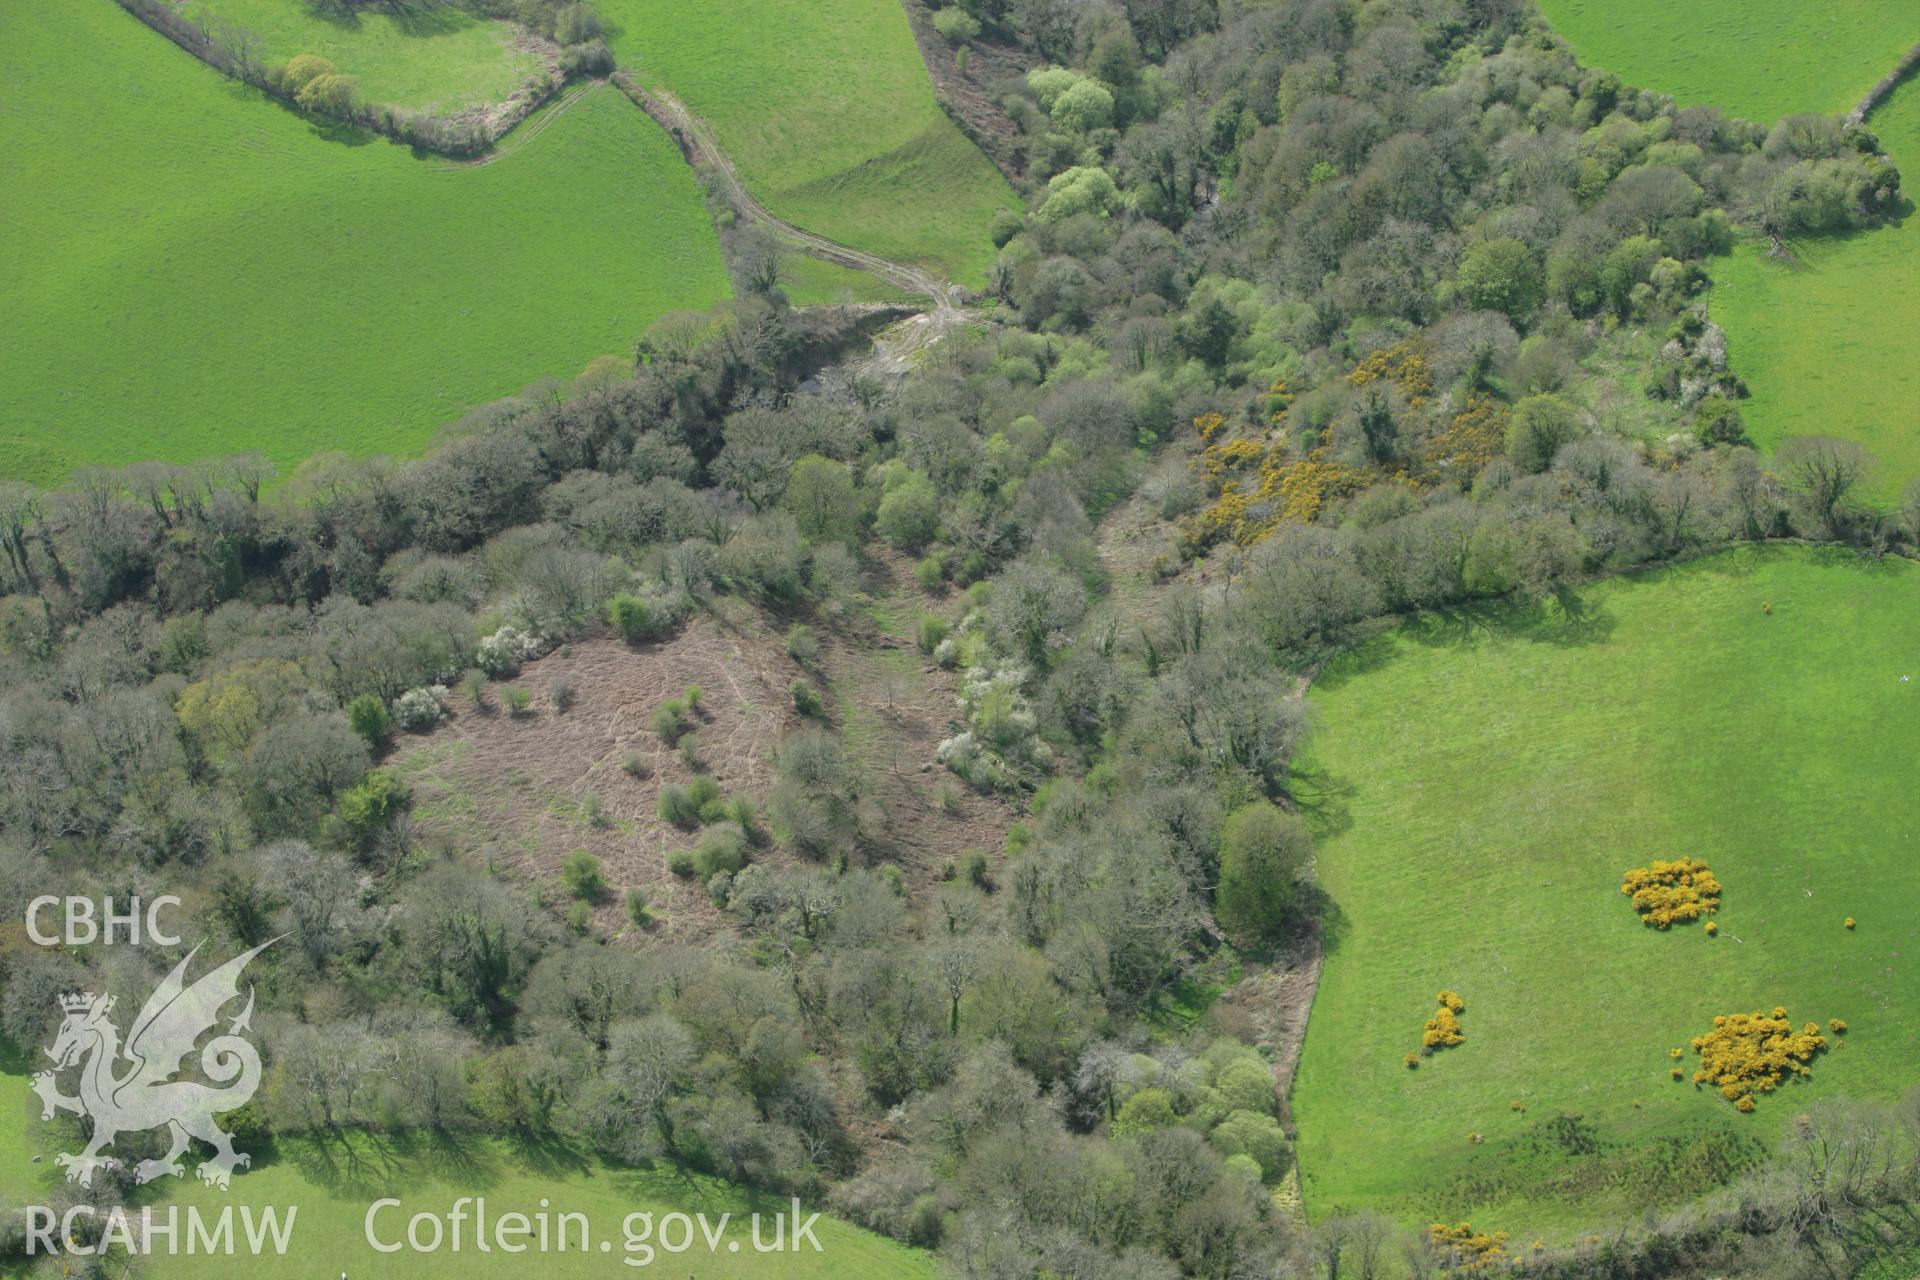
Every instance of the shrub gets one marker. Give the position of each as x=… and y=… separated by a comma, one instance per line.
x=517, y=700
x=474, y=683
x=1442, y=1031
x=690, y=752
x=930, y=574
x=422, y=708
x=681, y=863
x=632, y=617
x=636, y=903
x=744, y=813
x=562, y=692
x=595, y=811
x=580, y=874
x=501, y=653
x=636, y=766
x=580, y=917
x=802, y=646
x=806, y=699
x=1666, y=892
x=369, y=718
x=1464, y=1249
x=692, y=697
x=371, y=805
x=703, y=791
x=932, y=631
x=669, y=720
x=976, y=869
x=956, y=25
x=1747, y=1054
x=722, y=849
x=674, y=806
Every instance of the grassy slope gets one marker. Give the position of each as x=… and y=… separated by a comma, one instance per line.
x=1816, y=57
x=334, y=1183
x=1485, y=779
x=827, y=111
x=193, y=270
x=1831, y=346
x=426, y=58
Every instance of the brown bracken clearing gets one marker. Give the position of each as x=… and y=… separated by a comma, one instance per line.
x=519, y=793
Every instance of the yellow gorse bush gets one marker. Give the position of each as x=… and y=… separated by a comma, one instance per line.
x=1666, y=892
x=1443, y=1028
x=1258, y=481
x=1752, y=1053
x=1461, y=1248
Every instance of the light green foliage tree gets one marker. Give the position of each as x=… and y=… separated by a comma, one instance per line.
x=909, y=513
x=1502, y=275
x=1144, y=1112
x=1083, y=106
x=823, y=499
x=1540, y=426
x=1254, y=1134
x=1081, y=189
x=1265, y=859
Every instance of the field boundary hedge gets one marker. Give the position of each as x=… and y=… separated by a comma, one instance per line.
x=443, y=135
x=1888, y=83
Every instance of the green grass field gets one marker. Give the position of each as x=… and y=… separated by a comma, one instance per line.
x=828, y=113
x=1761, y=59
x=194, y=270
x=1481, y=780
x=1830, y=345
x=429, y=58
x=334, y=1182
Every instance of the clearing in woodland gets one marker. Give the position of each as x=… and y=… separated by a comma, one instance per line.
x=1480, y=782
x=828, y=113
x=195, y=270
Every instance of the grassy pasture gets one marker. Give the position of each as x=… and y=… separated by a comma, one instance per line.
x=1830, y=345
x=194, y=270
x=439, y=58
x=1761, y=59
x=827, y=111
x=335, y=1181
x=1480, y=781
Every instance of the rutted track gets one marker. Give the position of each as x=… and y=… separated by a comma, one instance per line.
x=527, y=132
x=704, y=152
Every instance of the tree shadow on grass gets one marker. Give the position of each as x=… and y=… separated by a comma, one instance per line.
x=547, y=1155
x=328, y=129
x=1322, y=798
x=427, y=21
